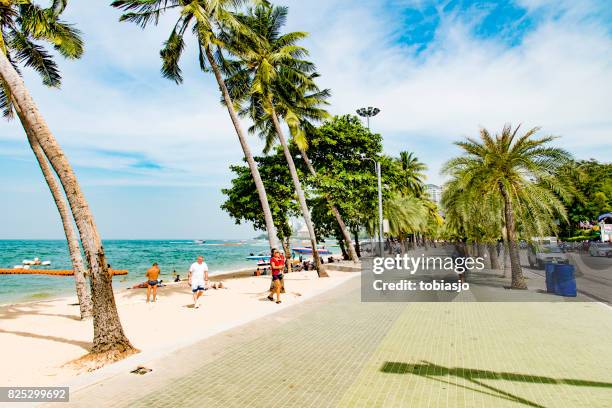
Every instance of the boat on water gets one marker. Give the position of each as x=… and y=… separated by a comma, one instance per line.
x=308, y=250
x=199, y=241
x=259, y=257
x=35, y=262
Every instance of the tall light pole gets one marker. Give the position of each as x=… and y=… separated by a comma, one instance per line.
x=368, y=113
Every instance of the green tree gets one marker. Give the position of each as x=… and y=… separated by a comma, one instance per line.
x=338, y=151
x=208, y=20
x=23, y=23
x=413, y=174
x=593, y=182
x=522, y=171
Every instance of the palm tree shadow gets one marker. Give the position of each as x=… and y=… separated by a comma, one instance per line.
x=431, y=371
x=83, y=344
x=16, y=311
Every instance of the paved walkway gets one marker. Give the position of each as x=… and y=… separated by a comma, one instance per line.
x=334, y=350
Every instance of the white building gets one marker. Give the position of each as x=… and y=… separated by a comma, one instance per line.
x=434, y=192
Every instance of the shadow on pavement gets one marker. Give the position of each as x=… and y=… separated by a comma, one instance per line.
x=431, y=371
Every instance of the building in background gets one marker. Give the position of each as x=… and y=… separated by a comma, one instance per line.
x=435, y=193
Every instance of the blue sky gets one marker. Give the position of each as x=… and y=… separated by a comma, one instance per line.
x=152, y=156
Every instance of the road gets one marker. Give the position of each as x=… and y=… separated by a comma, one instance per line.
x=593, y=276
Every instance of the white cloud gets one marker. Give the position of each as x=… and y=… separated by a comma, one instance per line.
x=559, y=77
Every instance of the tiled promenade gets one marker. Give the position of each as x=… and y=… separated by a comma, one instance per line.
x=333, y=350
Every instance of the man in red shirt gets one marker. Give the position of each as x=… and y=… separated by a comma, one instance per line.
x=277, y=264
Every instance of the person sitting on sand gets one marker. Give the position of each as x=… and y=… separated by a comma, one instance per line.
x=178, y=278
x=152, y=275
x=198, y=279
x=277, y=264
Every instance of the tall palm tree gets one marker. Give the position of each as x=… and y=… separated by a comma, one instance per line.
x=521, y=171
x=270, y=66
x=208, y=19
x=16, y=38
x=22, y=23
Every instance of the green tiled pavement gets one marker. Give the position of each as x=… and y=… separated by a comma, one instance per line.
x=308, y=361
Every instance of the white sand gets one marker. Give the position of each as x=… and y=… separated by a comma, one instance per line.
x=38, y=338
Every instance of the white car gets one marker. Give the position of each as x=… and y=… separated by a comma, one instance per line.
x=539, y=255
x=600, y=249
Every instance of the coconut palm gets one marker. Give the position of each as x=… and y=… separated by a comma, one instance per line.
x=24, y=23
x=207, y=20
x=520, y=171
x=18, y=43
x=413, y=172
x=407, y=215
x=266, y=78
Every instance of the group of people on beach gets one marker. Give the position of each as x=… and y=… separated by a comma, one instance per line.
x=198, y=278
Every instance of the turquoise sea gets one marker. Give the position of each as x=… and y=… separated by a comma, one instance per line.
x=135, y=256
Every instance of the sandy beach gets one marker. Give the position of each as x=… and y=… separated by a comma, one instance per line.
x=39, y=338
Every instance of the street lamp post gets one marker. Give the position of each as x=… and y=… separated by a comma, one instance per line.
x=368, y=113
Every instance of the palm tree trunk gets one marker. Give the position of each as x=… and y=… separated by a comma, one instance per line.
x=261, y=190
x=300, y=194
x=345, y=232
x=518, y=280
x=74, y=249
x=287, y=250
x=493, y=256
x=109, y=337
x=357, y=246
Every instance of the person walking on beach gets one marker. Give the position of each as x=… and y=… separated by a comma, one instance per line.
x=152, y=282
x=277, y=264
x=198, y=279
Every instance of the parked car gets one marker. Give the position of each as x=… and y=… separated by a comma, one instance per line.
x=538, y=255
x=600, y=249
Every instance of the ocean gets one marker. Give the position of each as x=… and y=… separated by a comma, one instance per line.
x=135, y=256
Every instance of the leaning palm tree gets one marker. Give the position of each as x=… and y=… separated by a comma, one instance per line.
x=22, y=24
x=17, y=40
x=207, y=19
x=522, y=172
x=270, y=65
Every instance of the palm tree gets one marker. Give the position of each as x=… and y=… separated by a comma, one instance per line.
x=267, y=75
x=413, y=172
x=474, y=216
x=25, y=22
x=407, y=215
x=19, y=41
x=522, y=172
x=208, y=19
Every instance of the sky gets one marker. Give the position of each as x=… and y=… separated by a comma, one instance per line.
x=153, y=156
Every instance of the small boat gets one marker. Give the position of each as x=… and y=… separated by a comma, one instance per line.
x=308, y=251
x=36, y=262
x=199, y=241
x=260, y=257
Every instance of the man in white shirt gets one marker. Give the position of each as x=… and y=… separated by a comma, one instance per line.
x=198, y=279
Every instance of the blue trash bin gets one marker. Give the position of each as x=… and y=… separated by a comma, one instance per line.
x=564, y=280
x=549, y=267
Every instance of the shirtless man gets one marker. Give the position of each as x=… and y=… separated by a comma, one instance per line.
x=152, y=282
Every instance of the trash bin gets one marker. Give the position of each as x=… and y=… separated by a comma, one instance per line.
x=564, y=280
x=549, y=267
